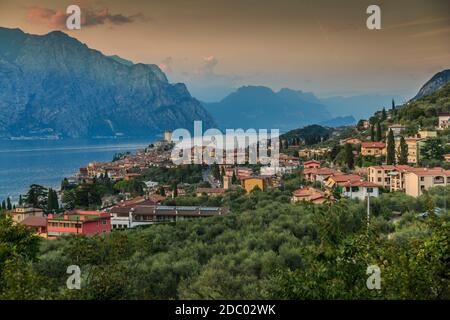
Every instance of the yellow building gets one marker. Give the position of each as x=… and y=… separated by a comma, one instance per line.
x=21, y=213
x=419, y=180
x=251, y=183
x=168, y=136
x=427, y=134
x=376, y=148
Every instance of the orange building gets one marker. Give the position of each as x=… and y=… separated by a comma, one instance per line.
x=308, y=194
x=376, y=148
x=251, y=183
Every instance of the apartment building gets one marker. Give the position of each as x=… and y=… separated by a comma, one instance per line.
x=376, y=148
x=390, y=177
x=417, y=181
x=78, y=222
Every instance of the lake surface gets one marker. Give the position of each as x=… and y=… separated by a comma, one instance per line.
x=47, y=162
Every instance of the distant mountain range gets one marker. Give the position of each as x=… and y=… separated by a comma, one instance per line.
x=434, y=84
x=261, y=107
x=54, y=85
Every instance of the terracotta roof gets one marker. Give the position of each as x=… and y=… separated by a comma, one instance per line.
x=307, y=191
x=211, y=190
x=346, y=177
x=311, y=161
x=359, y=184
x=375, y=144
x=35, y=222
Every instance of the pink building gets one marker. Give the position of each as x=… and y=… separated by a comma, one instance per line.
x=78, y=222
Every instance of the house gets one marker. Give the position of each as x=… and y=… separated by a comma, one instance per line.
x=383, y=176
x=376, y=148
x=396, y=129
x=211, y=192
x=19, y=214
x=168, y=136
x=250, y=183
x=308, y=194
x=447, y=157
x=37, y=224
x=311, y=164
x=310, y=153
x=146, y=214
x=358, y=189
x=444, y=120
x=318, y=174
x=353, y=141
x=421, y=179
x=78, y=222
x=365, y=124
x=130, y=176
x=334, y=180
x=426, y=134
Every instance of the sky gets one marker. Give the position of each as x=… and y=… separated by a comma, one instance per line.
x=216, y=46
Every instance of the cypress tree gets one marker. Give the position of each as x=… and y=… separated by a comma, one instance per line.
x=390, y=156
x=349, y=157
x=8, y=203
x=403, y=158
x=378, y=132
x=372, y=133
x=3, y=205
x=20, y=200
x=383, y=114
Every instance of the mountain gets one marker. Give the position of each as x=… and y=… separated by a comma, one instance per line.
x=434, y=84
x=339, y=122
x=261, y=107
x=55, y=85
x=359, y=106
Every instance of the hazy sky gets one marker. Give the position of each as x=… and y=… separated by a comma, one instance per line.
x=214, y=46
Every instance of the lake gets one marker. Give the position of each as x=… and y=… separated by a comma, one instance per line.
x=47, y=162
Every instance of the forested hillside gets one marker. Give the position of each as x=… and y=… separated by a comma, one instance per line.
x=266, y=248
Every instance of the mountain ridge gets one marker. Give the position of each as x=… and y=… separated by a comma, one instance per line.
x=261, y=107
x=55, y=85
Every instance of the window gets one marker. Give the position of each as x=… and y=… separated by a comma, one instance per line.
x=422, y=179
x=369, y=190
x=104, y=221
x=379, y=179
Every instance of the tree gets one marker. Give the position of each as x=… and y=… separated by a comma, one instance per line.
x=433, y=149
x=378, y=133
x=3, y=205
x=390, y=152
x=175, y=190
x=215, y=170
x=349, y=156
x=65, y=184
x=372, y=133
x=8, y=204
x=383, y=115
x=393, y=107
x=36, y=196
x=52, y=201
x=20, y=200
x=403, y=157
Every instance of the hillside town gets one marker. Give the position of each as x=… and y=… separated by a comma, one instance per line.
x=354, y=162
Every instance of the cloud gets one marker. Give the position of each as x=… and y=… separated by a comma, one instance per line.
x=89, y=17
x=166, y=65
x=209, y=63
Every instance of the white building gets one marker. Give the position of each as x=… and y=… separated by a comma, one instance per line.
x=359, y=189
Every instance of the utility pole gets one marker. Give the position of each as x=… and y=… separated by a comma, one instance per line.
x=368, y=212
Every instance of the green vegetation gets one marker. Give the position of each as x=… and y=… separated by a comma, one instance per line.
x=266, y=248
